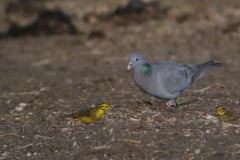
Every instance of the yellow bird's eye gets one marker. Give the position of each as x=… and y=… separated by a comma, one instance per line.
x=104, y=107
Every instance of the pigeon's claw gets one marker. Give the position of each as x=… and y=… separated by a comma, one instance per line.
x=171, y=102
x=169, y=105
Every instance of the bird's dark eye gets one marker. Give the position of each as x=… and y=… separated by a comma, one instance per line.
x=137, y=59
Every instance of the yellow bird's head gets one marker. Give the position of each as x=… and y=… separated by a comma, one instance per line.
x=220, y=110
x=104, y=107
x=101, y=109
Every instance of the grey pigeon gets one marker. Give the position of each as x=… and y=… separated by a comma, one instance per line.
x=165, y=79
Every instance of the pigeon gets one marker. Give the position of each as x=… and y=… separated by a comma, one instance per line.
x=165, y=79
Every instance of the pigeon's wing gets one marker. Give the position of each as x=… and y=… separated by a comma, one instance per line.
x=175, y=77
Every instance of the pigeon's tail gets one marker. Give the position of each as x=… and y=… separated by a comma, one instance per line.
x=202, y=68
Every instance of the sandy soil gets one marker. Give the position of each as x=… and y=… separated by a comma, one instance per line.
x=45, y=77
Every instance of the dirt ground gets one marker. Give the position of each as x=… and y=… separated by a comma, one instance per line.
x=45, y=77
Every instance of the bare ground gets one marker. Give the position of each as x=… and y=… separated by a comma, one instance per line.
x=45, y=77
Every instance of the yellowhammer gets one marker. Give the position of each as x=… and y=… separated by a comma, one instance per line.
x=225, y=115
x=91, y=115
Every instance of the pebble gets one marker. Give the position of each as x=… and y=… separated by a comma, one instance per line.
x=198, y=151
x=207, y=131
x=22, y=104
x=19, y=108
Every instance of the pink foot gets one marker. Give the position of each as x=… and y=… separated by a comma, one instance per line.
x=169, y=105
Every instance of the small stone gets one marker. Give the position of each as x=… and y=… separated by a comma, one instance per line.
x=44, y=89
x=29, y=154
x=198, y=151
x=4, y=154
x=9, y=101
x=133, y=119
x=75, y=144
x=19, y=108
x=22, y=104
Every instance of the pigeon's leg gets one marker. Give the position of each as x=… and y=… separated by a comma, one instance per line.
x=171, y=102
x=169, y=105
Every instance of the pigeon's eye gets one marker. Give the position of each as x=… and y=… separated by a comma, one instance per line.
x=137, y=59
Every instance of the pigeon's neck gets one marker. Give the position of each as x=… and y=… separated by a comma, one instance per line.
x=146, y=68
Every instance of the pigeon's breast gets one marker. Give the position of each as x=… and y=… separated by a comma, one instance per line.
x=151, y=83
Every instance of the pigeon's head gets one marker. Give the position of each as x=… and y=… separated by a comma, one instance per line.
x=135, y=59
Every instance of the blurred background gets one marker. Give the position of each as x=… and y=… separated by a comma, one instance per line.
x=53, y=33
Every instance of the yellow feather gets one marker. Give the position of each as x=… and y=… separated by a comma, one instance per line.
x=91, y=115
x=225, y=115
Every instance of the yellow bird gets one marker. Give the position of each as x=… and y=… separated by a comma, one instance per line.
x=225, y=115
x=91, y=115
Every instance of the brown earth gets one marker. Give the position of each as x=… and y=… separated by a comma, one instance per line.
x=45, y=77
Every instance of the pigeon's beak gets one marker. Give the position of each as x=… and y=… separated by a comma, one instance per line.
x=129, y=65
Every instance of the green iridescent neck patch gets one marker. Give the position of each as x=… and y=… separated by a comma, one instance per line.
x=146, y=68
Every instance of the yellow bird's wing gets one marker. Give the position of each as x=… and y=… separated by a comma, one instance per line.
x=88, y=116
x=230, y=116
x=85, y=113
